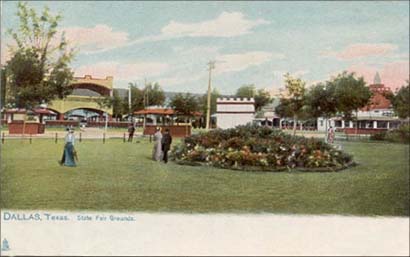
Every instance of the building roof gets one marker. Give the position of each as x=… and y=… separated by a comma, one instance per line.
x=370, y=118
x=378, y=100
x=35, y=111
x=159, y=111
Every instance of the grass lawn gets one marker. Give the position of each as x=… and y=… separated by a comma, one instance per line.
x=121, y=176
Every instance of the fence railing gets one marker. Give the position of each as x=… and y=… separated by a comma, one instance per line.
x=56, y=137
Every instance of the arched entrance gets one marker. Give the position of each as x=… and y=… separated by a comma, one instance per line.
x=84, y=114
x=87, y=92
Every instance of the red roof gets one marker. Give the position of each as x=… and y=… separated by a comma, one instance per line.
x=16, y=110
x=155, y=111
x=378, y=100
x=44, y=111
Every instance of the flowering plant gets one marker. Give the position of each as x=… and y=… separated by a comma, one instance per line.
x=262, y=148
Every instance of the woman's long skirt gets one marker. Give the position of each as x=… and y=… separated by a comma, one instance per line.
x=157, y=151
x=69, y=155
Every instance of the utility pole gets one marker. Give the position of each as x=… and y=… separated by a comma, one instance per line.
x=211, y=66
x=145, y=102
x=146, y=96
x=129, y=103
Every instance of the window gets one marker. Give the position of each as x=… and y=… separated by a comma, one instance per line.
x=338, y=123
x=381, y=124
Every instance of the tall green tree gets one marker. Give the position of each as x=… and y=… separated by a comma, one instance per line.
x=154, y=95
x=322, y=102
x=185, y=104
x=261, y=96
x=296, y=101
x=401, y=102
x=3, y=88
x=283, y=109
x=38, y=71
x=350, y=94
x=247, y=91
x=137, y=98
x=119, y=105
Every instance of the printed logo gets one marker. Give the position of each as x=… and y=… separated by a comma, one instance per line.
x=5, y=245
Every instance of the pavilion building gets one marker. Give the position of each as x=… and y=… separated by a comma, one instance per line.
x=375, y=117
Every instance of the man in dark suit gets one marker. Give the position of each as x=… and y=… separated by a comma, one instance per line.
x=131, y=130
x=166, y=144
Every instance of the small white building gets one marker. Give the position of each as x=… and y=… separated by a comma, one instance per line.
x=231, y=112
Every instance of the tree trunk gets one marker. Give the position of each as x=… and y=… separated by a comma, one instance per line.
x=357, y=122
x=295, y=119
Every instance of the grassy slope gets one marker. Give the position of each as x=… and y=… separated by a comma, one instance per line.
x=121, y=176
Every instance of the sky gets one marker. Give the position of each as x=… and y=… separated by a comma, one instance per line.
x=252, y=42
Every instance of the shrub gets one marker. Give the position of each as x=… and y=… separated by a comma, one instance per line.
x=378, y=136
x=249, y=147
x=399, y=135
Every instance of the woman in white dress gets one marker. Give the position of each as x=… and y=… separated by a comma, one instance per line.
x=157, y=151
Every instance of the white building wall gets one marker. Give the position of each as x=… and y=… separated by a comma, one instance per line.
x=321, y=124
x=373, y=114
x=231, y=112
x=225, y=121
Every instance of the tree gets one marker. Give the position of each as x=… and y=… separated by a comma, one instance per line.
x=296, y=100
x=137, y=98
x=154, y=94
x=321, y=101
x=284, y=108
x=247, y=91
x=3, y=88
x=351, y=94
x=261, y=96
x=185, y=104
x=401, y=102
x=203, y=101
x=119, y=105
x=38, y=71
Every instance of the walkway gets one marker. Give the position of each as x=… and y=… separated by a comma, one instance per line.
x=162, y=234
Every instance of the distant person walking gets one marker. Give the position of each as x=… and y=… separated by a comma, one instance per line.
x=330, y=135
x=157, y=151
x=166, y=144
x=69, y=153
x=131, y=130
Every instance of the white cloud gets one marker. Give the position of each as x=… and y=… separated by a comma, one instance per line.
x=227, y=24
x=242, y=61
x=95, y=39
x=121, y=71
x=354, y=51
x=300, y=73
x=181, y=79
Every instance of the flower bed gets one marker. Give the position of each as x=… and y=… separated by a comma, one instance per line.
x=254, y=148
